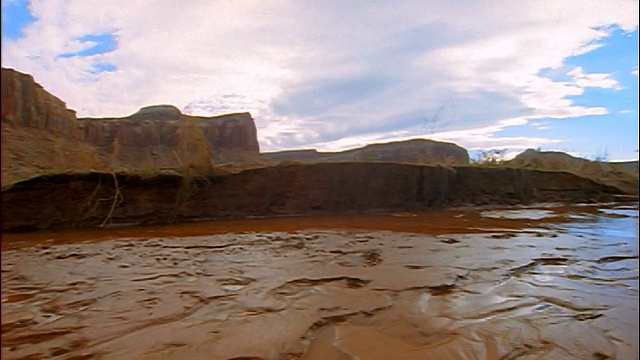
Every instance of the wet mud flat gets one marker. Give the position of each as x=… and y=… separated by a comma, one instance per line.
x=528, y=283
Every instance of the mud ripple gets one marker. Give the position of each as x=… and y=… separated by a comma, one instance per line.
x=331, y=294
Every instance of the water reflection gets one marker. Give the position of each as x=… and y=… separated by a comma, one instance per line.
x=608, y=224
x=533, y=214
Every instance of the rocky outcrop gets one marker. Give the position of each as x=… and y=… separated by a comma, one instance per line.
x=613, y=175
x=95, y=199
x=160, y=126
x=25, y=103
x=40, y=135
x=416, y=151
x=160, y=137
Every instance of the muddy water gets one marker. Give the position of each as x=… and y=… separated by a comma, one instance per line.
x=539, y=283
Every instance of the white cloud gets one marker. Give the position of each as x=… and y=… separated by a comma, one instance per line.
x=592, y=80
x=484, y=138
x=540, y=125
x=330, y=74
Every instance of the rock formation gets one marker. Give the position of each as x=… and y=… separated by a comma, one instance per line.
x=160, y=137
x=40, y=135
x=415, y=151
x=60, y=171
x=25, y=103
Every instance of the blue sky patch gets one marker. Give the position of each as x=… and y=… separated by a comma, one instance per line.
x=101, y=67
x=15, y=17
x=102, y=43
x=617, y=56
x=98, y=44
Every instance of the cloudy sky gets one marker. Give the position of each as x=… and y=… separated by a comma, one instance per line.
x=331, y=75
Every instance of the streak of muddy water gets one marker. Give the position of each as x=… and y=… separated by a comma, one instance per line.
x=538, y=283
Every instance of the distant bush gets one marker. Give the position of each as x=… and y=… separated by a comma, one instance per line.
x=601, y=156
x=489, y=157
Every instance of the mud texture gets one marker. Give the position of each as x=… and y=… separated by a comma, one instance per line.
x=539, y=283
x=103, y=199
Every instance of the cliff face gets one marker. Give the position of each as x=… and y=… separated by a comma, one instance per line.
x=94, y=199
x=160, y=126
x=40, y=135
x=416, y=151
x=161, y=137
x=25, y=103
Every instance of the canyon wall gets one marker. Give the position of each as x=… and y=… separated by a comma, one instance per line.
x=40, y=135
x=25, y=103
x=160, y=137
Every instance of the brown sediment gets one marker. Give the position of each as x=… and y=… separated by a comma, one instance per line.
x=460, y=221
x=277, y=289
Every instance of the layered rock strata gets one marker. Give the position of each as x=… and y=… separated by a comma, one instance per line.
x=40, y=136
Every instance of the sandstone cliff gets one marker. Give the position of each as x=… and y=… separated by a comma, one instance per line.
x=26, y=103
x=95, y=199
x=415, y=151
x=40, y=135
x=160, y=137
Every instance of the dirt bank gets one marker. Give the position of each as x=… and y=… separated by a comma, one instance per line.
x=81, y=200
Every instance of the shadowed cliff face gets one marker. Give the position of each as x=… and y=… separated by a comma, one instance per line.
x=95, y=199
x=40, y=135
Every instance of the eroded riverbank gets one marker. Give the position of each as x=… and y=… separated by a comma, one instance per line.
x=545, y=282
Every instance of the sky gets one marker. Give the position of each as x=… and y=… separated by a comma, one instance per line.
x=333, y=75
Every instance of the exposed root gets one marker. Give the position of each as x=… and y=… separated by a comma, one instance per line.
x=116, y=199
x=91, y=197
x=178, y=157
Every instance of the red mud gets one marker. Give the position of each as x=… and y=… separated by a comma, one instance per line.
x=538, y=283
